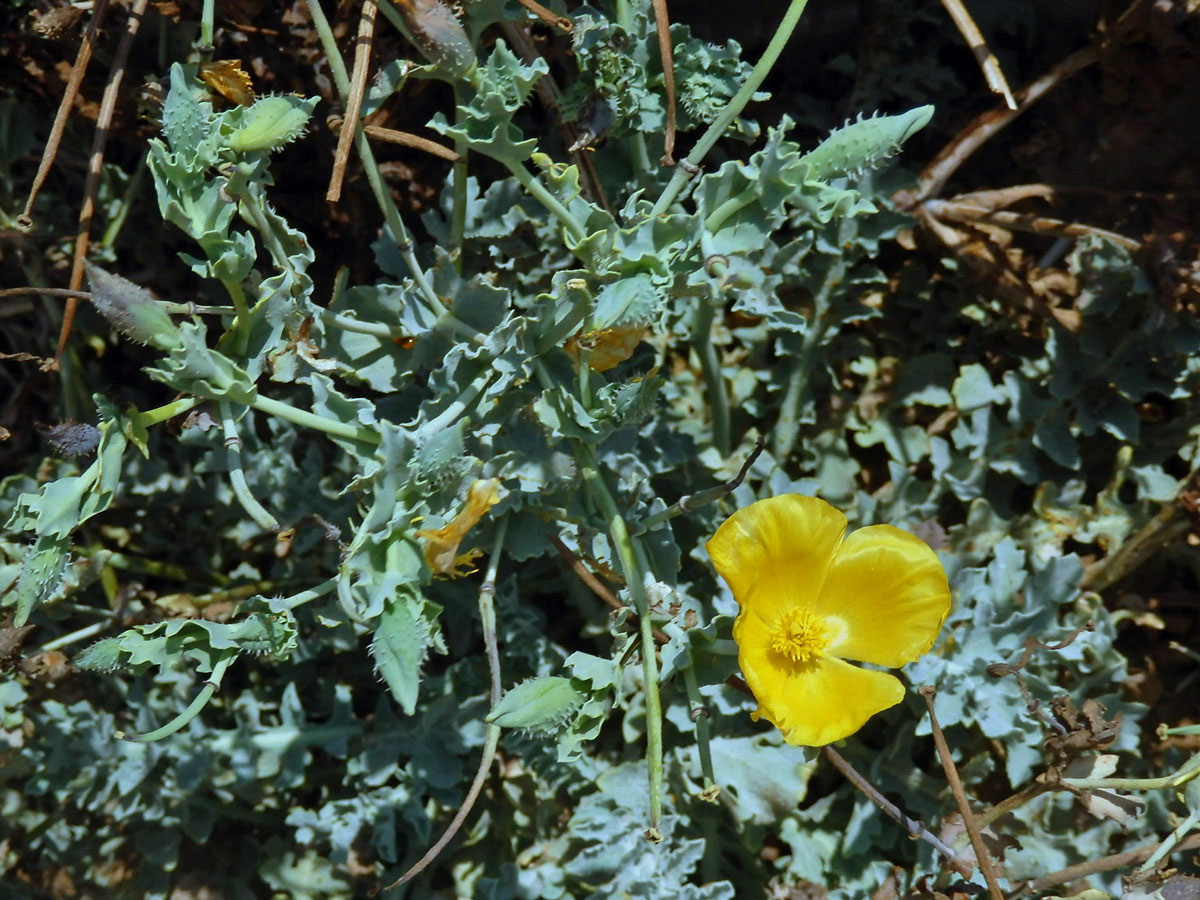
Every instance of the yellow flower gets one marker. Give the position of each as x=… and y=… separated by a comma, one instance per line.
x=441, y=544
x=812, y=598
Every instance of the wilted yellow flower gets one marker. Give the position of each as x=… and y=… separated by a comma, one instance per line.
x=441, y=544
x=812, y=598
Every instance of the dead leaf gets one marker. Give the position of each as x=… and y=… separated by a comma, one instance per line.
x=229, y=79
x=607, y=347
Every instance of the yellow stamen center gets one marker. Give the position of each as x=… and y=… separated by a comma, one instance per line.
x=801, y=635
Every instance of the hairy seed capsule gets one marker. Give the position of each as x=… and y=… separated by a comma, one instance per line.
x=131, y=309
x=438, y=35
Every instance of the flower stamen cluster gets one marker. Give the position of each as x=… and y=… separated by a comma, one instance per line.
x=801, y=635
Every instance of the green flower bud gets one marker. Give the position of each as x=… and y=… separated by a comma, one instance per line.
x=540, y=704
x=131, y=309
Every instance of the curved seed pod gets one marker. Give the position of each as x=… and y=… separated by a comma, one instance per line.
x=862, y=145
x=438, y=35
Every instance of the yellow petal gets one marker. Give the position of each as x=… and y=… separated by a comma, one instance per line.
x=229, y=79
x=776, y=552
x=441, y=544
x=823, y=702
x=889, y=591
x=607, y=347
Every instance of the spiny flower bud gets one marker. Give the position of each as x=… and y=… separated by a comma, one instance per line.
x=131, y=309
x=270, y=123
x=540, y=704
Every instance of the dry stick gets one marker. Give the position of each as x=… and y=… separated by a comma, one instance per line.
x=404, y=139
x=1104, y=864
x=1012, y=803
x=560, y=22
x=597, y=586
x=1167, y=526
x=986, y=125
x=585, y=574
x=911, y=825
x=358, y=89
x=868, y=790
x=956, y=209
x=49, y=292
x=663, y=26
x=103, y=121
x=960, y=796
x=984, y=56
x=25, y=220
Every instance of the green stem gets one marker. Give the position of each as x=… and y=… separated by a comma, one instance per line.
x=718, y=398
x=543, y=196
x=127, y=198
x=487, y=611
x=237, y=475
x=305, y=596
x=718, y=216
x=162, y=413
x=787, y=429
x=194, y=309
x=308, y=419
x=1188, y=771
x=74, y=637
x=357, y=326
x=699, y=714
x=383, y=196
x=717, y=129
x=625, y=15
x=691, y=502
x=633, y=561
x=463, y=402
x=458, y=212
x=241, y=323
x=1168, y=845
x=585, y=379
x=210, y=687
x=206, y=25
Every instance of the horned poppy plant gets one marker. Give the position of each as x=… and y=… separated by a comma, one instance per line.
x=812, y=598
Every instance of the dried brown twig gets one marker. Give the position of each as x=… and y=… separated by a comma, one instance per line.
x=108, y=105
x=50, y=151
x=992, y=72
x=358, y=89
x=982, y=857
x=1104, y=864
x=405, y=139
x=663, y=27
x=562, y=23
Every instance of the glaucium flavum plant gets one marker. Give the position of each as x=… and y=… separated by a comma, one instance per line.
x=811, y=598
